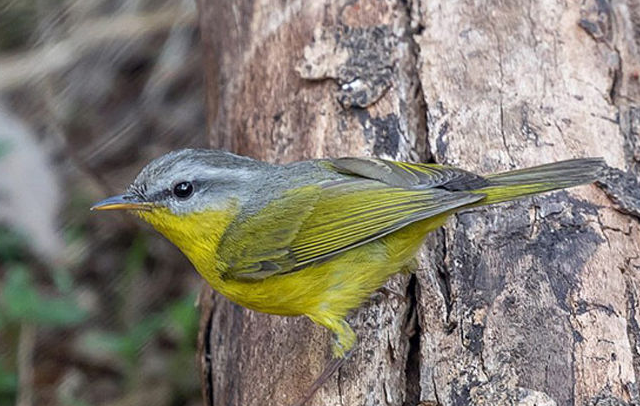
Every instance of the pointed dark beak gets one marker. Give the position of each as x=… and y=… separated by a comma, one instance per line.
x=122, y=202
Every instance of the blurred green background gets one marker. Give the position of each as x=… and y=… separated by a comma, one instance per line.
x=95, y=308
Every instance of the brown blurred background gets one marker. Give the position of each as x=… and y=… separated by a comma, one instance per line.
x=95, y=309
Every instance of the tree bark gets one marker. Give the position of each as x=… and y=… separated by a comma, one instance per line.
x=532, y=302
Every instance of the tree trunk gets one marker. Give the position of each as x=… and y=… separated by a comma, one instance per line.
x=533, y=302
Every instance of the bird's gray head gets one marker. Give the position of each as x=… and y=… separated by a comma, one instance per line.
x=190, y=180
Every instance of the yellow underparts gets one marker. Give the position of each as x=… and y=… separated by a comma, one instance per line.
x=197, y=235
x=324, y=292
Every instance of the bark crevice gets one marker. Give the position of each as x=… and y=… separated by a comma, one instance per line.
x=443, y=277
x=412, y=331
x=633, y=329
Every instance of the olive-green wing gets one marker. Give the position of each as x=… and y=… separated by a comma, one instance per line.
x=349, y=215
x=259, y=245
x=314, y=223
x=410, y=175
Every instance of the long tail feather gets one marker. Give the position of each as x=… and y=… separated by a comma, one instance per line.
x=538, y=179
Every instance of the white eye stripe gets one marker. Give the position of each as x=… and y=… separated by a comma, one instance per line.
x=222, y=173
x=190, y=174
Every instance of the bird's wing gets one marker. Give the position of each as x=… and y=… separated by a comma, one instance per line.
x=260, y=245
x=410, y=175
x=352, y=214
x=313, y=223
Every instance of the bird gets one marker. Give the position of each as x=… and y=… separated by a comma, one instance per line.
x=315, y=238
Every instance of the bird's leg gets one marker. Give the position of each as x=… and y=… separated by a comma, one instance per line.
x=328, y=371
x=342, y=346
x=344, y=340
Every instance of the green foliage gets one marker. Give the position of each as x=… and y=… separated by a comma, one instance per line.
x=183, y=319
x=178, y=320
x=137, y=254
x=8, y=385
x=63, y=281
x=183, y=324
x=126, y=345
x=21, y=302
x=13, y=246
x=133, y=266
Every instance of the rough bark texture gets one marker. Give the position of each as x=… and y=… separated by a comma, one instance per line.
x=527, y=303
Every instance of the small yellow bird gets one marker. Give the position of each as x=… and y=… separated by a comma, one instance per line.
x=317, y=237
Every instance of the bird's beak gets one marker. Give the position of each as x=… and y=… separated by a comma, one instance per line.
x=122, y=202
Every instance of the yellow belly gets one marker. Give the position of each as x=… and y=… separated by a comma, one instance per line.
x=330, y=289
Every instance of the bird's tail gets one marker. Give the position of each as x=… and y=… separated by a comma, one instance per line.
x=538, y=179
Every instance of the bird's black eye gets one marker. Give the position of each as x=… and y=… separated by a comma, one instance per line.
x=183, y=190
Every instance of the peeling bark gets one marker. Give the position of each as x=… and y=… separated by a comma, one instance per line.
x=532, y=302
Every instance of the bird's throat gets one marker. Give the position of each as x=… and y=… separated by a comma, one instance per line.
x=197, y=235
